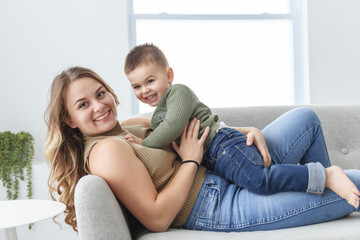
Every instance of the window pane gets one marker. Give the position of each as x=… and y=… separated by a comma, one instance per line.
x=227, y=63
x=211, y=6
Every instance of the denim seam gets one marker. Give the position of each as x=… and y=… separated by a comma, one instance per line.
x=242, y=152
x=214, y=144
x=293, y=146
x=327, y=153
x=194, y=220
x=221, y=146
x=237, y=165
x=251, y=160
x=272, y=219
x=236, y=162
x=208, y=202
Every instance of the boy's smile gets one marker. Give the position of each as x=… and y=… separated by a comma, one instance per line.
x=150, y=82
x=152, y=98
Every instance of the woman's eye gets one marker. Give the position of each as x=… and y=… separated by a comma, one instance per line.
x=101, y=94
x=83, y=105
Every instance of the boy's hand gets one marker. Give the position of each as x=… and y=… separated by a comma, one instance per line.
x=131, y=138
x=255, y=137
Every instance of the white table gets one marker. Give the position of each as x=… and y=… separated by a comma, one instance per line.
x=15, y=213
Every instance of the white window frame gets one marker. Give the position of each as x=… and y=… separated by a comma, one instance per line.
x=295, y=16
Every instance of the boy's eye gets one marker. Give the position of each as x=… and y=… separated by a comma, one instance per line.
x=136, y=87
x=150, y=81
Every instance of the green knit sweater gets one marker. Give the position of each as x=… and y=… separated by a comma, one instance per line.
x=178, y=105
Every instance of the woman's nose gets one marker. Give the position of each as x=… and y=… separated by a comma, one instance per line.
x=98, y=106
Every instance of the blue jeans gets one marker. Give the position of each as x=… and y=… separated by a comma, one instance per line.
x=222, y=206
x=295, y=137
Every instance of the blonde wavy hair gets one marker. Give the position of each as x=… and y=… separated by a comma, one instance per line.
x=64, y=146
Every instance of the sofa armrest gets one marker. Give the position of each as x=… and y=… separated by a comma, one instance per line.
x=95, y=221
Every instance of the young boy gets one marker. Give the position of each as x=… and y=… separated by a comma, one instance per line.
x=227, y=153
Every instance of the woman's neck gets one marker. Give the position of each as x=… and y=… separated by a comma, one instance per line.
x=117, y=130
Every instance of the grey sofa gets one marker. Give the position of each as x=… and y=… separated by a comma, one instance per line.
x=100, y=216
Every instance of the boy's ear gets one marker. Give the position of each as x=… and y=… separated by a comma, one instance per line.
x=170, y=75
x=70, y=123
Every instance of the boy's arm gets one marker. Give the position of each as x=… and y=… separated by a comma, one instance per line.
x=137, y=121
x=180, y=106
x=244, y=130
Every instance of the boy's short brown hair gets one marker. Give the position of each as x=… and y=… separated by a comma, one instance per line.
x=145, y=53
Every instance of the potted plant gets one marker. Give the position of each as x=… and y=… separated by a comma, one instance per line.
x=16, y=156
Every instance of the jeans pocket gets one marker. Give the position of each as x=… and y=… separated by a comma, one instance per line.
x=210, y=205
x=251, y=153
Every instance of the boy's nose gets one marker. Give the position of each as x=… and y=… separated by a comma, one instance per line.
x=145, y=89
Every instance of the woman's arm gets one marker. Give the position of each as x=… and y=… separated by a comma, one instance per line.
x=115, y=161
x=254, y=136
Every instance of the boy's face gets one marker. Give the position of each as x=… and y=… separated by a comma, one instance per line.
x=150, y=82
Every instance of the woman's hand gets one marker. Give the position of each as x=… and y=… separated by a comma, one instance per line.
x=254, y=136
x=115, y=161
x=191, y=147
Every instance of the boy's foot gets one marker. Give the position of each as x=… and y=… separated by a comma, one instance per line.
x=339, y=182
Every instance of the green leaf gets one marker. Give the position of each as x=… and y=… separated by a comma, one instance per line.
x=16, y=156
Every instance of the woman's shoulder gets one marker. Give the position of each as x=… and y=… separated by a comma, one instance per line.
x=110, y=145
x=111, y=140
x=109, y=152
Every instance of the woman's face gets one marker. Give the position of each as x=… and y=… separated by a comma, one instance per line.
x=90, y=106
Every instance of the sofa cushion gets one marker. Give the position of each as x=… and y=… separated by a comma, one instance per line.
x=340, y=229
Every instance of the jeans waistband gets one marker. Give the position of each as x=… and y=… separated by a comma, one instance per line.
x=222, y=125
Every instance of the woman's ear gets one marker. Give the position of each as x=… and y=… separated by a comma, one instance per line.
x=70, y=123
x=170, y=75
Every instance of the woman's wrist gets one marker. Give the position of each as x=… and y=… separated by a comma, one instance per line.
x=191, y=161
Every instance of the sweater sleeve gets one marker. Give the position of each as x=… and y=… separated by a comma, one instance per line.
x=180, y=104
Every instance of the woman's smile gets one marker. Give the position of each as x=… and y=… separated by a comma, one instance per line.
x=103, y=117
x=94, y=110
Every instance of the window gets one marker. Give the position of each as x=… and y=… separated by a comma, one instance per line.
x=230, y=52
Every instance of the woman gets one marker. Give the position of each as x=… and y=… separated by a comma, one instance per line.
x=84, y=136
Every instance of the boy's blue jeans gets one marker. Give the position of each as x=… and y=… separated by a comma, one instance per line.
x=295, y=137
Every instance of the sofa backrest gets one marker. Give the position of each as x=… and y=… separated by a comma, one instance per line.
x=341, y=125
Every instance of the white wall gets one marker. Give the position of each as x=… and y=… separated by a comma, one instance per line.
x=39, y=39
x=334, y=51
